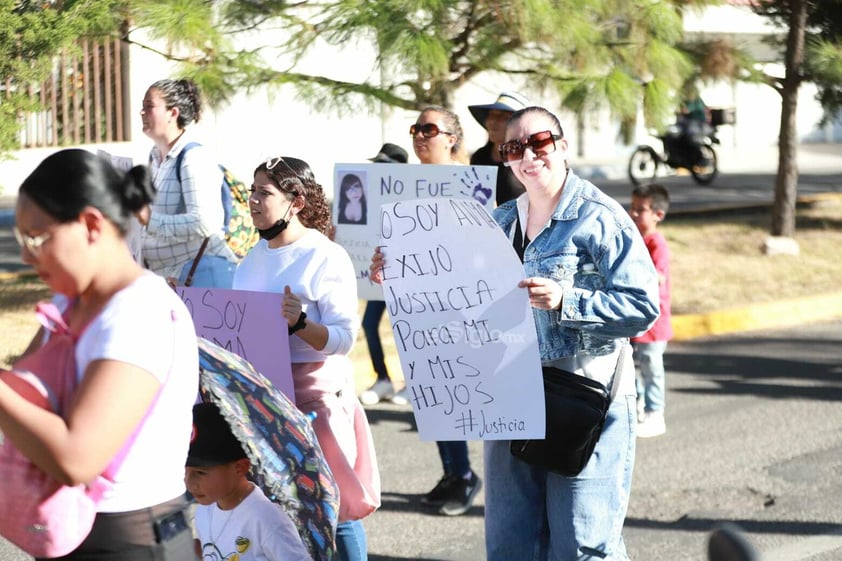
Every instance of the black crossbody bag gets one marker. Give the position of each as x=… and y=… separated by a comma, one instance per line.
x=576, y=408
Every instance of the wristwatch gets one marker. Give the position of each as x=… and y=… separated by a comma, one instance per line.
x=300, y=324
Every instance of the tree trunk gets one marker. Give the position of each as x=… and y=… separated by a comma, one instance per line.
x=786, y=184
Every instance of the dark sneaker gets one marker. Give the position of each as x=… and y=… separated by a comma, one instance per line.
x=461, y=495
x=441, y=492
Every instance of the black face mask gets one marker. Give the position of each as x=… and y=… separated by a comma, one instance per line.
x=273, y=231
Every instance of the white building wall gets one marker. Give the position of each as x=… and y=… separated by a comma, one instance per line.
x=262, y=124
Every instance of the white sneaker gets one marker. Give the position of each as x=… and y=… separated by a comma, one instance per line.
x=402, y=397
x=651, y=424
x=382, y=389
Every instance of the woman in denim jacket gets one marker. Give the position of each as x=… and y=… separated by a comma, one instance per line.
x=592, y=286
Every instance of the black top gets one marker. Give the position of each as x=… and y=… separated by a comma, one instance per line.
x=508, y=186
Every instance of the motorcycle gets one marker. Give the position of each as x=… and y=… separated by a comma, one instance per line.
x=683, y=148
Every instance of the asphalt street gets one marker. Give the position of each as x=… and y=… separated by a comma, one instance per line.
x=754, y=438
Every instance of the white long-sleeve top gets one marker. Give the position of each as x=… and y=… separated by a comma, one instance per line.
x=318, y=271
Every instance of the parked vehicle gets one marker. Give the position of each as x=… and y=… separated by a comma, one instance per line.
x=682, y=149
x=688, y=144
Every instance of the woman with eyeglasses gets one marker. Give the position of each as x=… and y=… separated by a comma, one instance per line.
x=437, y=138
x=592, y=285
x=296, y=256
x=184, y=230
x=135, y=352
x=352, y=206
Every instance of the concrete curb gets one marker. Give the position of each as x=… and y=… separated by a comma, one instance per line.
x=770, y=315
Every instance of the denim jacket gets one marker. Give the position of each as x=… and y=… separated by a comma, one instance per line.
x=594, y=251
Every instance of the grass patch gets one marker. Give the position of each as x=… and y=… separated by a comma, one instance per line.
x=717, y=261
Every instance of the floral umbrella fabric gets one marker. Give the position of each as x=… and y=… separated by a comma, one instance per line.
x=287, y=462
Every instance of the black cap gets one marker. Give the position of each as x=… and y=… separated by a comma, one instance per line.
x=506, y=101
x=212, y=442
x=391, y=154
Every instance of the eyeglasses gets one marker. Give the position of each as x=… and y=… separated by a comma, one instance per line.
x=541, y=144
x=31, y=243
x=427, y=130
x=271, y=163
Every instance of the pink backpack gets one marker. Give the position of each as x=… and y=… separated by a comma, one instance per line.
x=38, y=514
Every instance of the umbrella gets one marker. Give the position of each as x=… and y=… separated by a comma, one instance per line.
x=287, y=462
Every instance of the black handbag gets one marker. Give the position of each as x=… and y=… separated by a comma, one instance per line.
x=576, y=408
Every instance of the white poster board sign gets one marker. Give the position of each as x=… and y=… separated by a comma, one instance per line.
x=463, y=329
x=360, y=189
x=123, y=163
x=248, y=324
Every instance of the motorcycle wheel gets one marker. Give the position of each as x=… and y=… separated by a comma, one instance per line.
x=704, y=174
x=643, y=165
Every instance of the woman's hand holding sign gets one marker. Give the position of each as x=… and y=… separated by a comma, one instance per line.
x=544, y=294
x=376, y=266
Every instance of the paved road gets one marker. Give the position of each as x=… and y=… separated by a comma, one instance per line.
x=736, y=189
x=754, y=437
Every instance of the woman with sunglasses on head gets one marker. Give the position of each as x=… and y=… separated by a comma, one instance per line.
x=591, y=285
x=185, y=228
x=296, y=256
x=437, y=138
x=135, y=355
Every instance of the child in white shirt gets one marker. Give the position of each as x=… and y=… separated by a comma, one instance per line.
x=234, y=518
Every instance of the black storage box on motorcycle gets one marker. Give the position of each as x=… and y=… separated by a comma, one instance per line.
x=723, y=116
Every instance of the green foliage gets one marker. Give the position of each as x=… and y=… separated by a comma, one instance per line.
x=593, y=52
x=823, y=52
x=31, y=34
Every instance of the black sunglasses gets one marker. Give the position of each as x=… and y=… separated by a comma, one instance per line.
x=541, y=144
x=427, y=130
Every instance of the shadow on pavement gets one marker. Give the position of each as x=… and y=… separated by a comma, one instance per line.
x=692, y=524
x=399, y=414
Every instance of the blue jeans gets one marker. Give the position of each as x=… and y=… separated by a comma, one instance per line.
x=651, y=381
x=371, y=320
x=454, y=457
x=351, y=541
x=212, y=271
x=535, y=515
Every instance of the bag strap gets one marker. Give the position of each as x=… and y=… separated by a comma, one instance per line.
x=621, y=360
x=113, y=467
x=52, y=319
x=518, y=241
x=180, y=158
x=189, y=280
x=178, y=162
